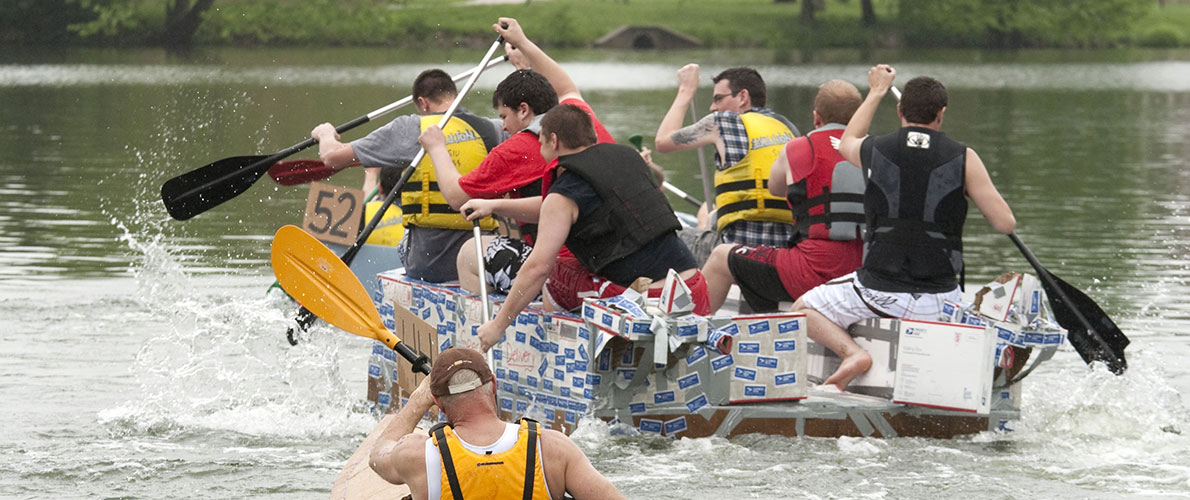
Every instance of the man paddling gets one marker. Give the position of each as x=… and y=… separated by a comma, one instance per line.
x=825, y=193
x=747, y=137
x=515, y=167
x=433, y=231
x=475, y=454
x=606, y=208
x=915, y=210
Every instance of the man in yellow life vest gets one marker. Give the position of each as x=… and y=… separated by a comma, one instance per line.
x=475, y=454
x=434, y=232
x=747, y=137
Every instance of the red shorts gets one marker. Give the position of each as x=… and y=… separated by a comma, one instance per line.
x=767, y=275
x=570, y=282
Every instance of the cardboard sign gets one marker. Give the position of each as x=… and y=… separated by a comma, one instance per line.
x=333, y=213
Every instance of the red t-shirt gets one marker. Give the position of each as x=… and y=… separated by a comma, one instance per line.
x=510, y=166
x=601, y=135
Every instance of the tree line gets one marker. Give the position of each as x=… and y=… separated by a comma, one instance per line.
x=914, y=23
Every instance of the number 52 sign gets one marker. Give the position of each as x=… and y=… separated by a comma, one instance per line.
x=333, y=213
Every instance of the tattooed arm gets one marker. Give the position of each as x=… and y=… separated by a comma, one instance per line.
x=670, y=135
x=705, y=131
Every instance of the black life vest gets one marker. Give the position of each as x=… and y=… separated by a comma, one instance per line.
x=915, y=207
x=633, y=213
x=828, y=203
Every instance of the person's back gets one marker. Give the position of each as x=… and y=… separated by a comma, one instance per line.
x=915, y=207
x=915, y=210
x=476, y=455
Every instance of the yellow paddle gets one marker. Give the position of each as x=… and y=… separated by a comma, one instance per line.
x=314, y=276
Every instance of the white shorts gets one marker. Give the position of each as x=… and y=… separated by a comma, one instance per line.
x=845, y=301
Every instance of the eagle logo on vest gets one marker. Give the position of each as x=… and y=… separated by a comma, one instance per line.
x=917, y=140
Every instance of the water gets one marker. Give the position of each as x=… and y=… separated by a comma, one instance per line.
x=141, y=358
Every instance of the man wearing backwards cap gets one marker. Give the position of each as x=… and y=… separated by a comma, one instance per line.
x=475, y=454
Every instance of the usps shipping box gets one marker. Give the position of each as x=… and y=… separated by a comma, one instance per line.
x=767, y=360
x=876, y=336
x=945, y=365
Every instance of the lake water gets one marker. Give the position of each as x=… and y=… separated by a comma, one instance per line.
x=141, y=358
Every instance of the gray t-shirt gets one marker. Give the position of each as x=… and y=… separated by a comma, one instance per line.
x=428, y=253
x=395, y=143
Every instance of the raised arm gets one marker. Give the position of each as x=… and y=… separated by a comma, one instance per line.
x=981, y=190
x=398, y=454
x=448, y=176
x=538, y=59
x=880, y=79
x=671, y=136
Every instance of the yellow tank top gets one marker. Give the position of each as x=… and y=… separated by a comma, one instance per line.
x=421, y=202
x=741, y=190
x=497, y=476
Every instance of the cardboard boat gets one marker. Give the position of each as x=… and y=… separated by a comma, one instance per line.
x=650, y=368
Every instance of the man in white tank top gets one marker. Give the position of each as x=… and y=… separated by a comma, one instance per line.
x=486, y=457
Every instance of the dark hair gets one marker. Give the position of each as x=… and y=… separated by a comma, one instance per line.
x=837, y=101
x=525, y=86
x=922, y=99
x=744, y=78
x=434, y=84
x=571, y=124
x=389, y=177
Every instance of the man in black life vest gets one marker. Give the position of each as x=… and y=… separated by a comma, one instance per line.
x=915, y=209
x=605, y=207
x=475, y=454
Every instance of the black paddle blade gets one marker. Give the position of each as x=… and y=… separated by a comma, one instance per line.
x=199, y=190
x=1111, y=350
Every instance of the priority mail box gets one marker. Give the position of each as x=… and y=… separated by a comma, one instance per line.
x=944, y=365
x=767, y=360
x=877, y=337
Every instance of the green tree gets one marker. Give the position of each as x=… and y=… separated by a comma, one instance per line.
x=169, y=22
x=1018, y=23
x=40, y=21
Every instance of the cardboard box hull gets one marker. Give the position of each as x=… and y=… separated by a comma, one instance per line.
x=558, y=368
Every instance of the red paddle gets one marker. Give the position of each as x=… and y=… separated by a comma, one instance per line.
x=295, y=172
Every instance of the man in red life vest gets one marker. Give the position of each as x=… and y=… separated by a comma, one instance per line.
x=825, y=193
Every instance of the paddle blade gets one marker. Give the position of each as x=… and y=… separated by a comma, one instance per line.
x=296, y=172
x=199, y=190
x=1111, y=350
x=636, y=141
x=313, y=275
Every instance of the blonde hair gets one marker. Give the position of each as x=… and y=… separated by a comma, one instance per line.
x=837, y=101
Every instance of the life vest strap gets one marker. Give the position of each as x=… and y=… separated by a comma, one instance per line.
x=909, y=232
x=753, y=204
x=531, y=460
x=743, y=185
x=448, y=465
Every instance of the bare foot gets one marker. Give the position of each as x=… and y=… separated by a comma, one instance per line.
x=853, y=366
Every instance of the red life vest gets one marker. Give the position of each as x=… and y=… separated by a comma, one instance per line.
x=828, y=204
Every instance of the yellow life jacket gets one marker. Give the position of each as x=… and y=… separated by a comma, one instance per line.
x=498, y=476
x=742, y=190
x=390, y=229
x=421, y=202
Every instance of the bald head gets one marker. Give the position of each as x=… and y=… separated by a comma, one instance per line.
x=836, y=101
